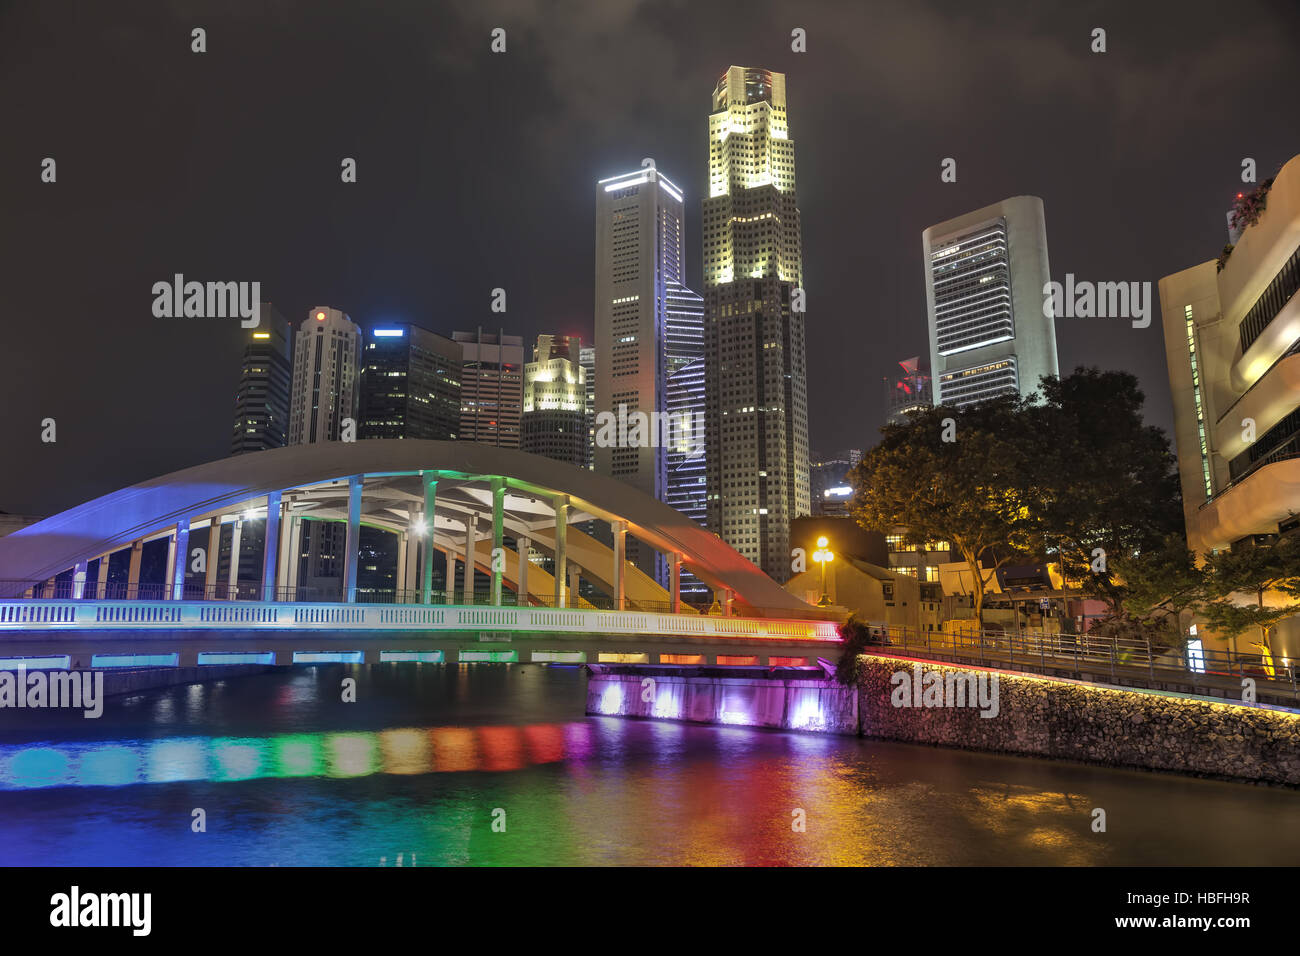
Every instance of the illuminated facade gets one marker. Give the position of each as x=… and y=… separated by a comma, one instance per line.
x=910, y=391
x=756, y=415
x=326, y=369
x=587, y=359
x=1232, y=344
x=985, y=276
x=262, y=398
x=410, y=384
x=491, y=387
x=554, y=418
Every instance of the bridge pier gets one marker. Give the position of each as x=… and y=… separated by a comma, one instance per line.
x=232, y=576
x=178, y=559
x=271, y=546
x=426, y=558
x=561, y=558
x=356, y=485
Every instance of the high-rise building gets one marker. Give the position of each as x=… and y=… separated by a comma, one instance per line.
x=908, y=392
x=829, y=480
x=640, y=274
x=326, y=368
x=554, y=418
x=262, y=398
x=684, y=340
x=410, y=384
x=985, y=273
x=491, y=387
x=756, y=392
x=1232, y=344
x=587, y=359
x=326, y=373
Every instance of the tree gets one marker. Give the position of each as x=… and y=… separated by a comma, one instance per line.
x=961, y=475
x=1264, y=568
x=1162, y=582
x=1108, y=482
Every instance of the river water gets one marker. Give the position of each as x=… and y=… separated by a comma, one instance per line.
x=496, y=765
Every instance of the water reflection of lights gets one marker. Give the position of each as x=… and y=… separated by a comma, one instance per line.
x=407, y=750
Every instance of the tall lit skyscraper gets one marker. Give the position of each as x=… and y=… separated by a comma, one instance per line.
x=685, y=344
x=640, y=271
x=554, y=418
x=908, y=392
x=491, y=387
x=587, y=358
x=985, y=275
x=262, y=398
x=756, y=410
x=326, y=367
x=410, y=384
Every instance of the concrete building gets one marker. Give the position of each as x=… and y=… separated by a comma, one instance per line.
x=909, y=391
x=265, y=374
x=686, y=459
x=410, y=384
x=554, y=418
x=587, y=359
x=829, y=480
x=985, y=273
x=1232, y=344
x=491, y=387
x=756, y=406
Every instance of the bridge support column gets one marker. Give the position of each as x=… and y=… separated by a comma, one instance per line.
x=575, y=579
x=284, y=551
x=521, y=579
x=178, y=560
x=728, y=599
x=355, y=486
x=79, y=581
x=675, y=581
x=271, y=547
x=620, y=562
x=210, y=558
x=451, y=578
x=498, y=558
x=294, y=558
x=169, y=572
x=561, y=527
x=133, y=571
x=471, y=533
x=426, y=557
x=101, y=577
x=232, y=578
x=408, y=583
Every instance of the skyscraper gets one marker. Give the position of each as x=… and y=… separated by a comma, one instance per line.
x=640, y=274
x=262, y=397
x=587, y=358
x=554, y=418
x=756, y=413
x=985, y=276
x=685, y=368
x=326, y=366
x=491, y=387
x=908, y=392
x=410, y=384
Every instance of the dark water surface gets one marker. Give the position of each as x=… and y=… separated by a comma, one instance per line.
x=418, y=769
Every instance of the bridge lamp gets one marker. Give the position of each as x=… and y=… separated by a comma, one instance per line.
x=250, y=515
x=419, y=528
x=823, y=557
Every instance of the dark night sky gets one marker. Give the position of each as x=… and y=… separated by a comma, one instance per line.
x=477, y=171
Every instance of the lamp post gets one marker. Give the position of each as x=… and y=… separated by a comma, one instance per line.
x=823, y=557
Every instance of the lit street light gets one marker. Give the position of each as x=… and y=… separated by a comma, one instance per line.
x=823, y=557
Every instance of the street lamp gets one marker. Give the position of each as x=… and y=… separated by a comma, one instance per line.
x=823, y=557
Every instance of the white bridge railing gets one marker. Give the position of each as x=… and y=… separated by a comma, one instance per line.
x=44, y=616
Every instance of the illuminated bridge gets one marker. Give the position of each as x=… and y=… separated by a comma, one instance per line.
x=75, y=590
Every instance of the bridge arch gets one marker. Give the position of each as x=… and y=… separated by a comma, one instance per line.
x=477, y=496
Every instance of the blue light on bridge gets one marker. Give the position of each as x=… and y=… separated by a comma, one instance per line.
x=57, y=662
x=236, y=657
x=417, y=657
x=329, y=657
x=134, y=660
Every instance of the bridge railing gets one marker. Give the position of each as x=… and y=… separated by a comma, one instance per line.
x=1092, y=656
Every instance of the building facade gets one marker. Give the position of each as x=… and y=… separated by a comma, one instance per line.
x=1232, y=345
x=910, y=391
x=491, y=387
x=326, y=373
x=587, y=359
x=554, y=418
x=686, y=459
x=756, y=414
x=410, y=384
x=985, y=275
x=265, y=374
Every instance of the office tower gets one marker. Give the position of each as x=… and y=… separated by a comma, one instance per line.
x=640, y=263
x=908, y=392
x=1232, y=344
x=491, y=387
x=262, y=398
x=686, y=490
x=985, y=276
x=326, y=366
x=756, y=414
x=410, y=384
x=587, y=358
x=554, y=418
x=829, y=481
